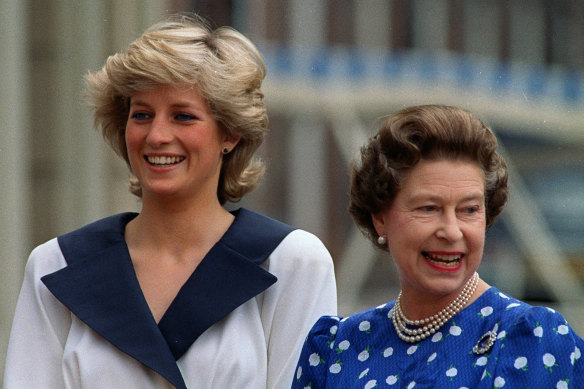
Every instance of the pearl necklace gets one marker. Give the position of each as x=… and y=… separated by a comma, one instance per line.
x=430, y=325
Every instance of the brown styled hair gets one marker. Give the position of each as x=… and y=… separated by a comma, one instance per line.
x=423, y=132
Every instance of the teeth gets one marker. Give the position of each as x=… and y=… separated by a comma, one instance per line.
x=443, y=259
x=164, y=160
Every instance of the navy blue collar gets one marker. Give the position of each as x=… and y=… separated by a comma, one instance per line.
x=100, y=287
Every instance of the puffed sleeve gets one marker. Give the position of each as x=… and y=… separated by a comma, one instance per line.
x=305, y=290
x=40, y=327
x=540, y=351
x=311, y=370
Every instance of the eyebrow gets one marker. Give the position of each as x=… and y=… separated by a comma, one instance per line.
x=435, y=198
x=178, y=105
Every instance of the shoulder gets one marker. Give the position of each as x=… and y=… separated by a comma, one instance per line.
x=256, y=224
x=321, y=337
x=364, y=322
x=516, y=314
x=56, y=253
x=346, y=328
x=254, y=236
x=537, y=345
x=331, y=328
x=290, y=239
x=290, y=245
x=44, y=259
x=94, y=236
x=525, y=326
x=313, y=364
x=325, y=327
x=332, y=346
x=301, y=256
x=303, y=244
x=538, y=323
x=107, y=225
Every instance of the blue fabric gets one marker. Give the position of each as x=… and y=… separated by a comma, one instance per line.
x=100, y=287
x=534, y=348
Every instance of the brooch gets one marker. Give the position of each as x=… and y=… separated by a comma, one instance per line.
x=485, y=342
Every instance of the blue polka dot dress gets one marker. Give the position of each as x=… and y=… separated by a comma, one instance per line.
x=496, y=342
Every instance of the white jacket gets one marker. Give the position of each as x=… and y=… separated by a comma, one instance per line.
x=82, y=321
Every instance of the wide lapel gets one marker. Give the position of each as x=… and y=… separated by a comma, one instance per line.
x=100, y=287
x=229, y=275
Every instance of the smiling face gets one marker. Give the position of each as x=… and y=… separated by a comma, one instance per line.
x=435, y=228
x=174, y=143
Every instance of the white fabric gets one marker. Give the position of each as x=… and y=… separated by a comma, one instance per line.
x=255, y=346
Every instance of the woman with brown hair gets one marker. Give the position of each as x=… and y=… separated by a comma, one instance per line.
x=427, y=187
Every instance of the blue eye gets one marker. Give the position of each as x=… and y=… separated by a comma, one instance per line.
x=140, y=116
x=471, y=210
x=184, y=117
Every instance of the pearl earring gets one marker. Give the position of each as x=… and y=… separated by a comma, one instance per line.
x=382, y=240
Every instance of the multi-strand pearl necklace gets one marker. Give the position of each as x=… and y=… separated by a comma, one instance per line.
x=430, y=325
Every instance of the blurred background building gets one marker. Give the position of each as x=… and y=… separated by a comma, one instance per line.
x=335, y=67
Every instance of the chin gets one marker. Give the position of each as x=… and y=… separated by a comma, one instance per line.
x=160, y=192
x=445, y=287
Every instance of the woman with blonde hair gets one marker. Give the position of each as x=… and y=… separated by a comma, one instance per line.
x=184, y=293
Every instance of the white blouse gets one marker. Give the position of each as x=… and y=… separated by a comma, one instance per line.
x=238, y=322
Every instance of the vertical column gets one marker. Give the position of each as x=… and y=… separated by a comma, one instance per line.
x=308, y=182
x=372, y=23
x=94, y=181
x=308, y=22
x=69, y=129
x=527, y=40
x=81, y=174
x=306, y=194
x=482, y=24
x=430, y=24
x=577, y=36
x=14, y=154
x=249, y=17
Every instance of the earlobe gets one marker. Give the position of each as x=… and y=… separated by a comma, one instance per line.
x=378, y=223
x=230, y=141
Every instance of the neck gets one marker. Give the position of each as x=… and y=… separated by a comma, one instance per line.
x=419, y=307
x=413, y=330
x=165, y=227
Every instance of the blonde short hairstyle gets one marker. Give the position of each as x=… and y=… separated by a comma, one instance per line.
x=423, y=132
x=222, y=64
